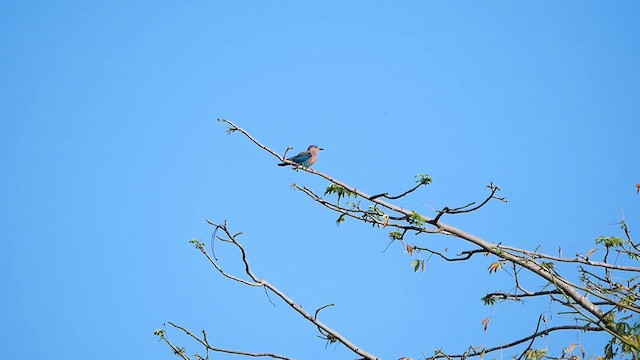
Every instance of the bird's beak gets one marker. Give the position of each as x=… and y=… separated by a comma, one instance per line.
x=320, y=149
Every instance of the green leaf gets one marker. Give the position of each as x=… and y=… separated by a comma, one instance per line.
x=374, y=209
x=536, y=354
x=340, y=191
x=488, y=300
x=415, y=219
x=423, y=179
x=417, y=265
x=548, y=265
x=197, y=243
x=609, y=241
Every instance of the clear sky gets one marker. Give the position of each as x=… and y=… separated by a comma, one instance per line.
x=112, y=159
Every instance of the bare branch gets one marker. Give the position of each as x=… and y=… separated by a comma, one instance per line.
x=404, y=193
x=465, y=255
x=466, y=209
x=499, y=295
x=176, y=350
x=205, y=343
x=315, y=316
x=285, y=298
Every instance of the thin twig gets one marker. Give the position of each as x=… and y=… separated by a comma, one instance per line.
x=227, y=351
x=517, y=342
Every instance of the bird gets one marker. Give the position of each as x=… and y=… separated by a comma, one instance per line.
x=305, y=158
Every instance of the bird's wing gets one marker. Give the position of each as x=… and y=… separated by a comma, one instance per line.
x=302, y=157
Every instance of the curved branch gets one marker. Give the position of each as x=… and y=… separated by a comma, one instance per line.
x=463, y=209
x=404, y=193
x=315, y=316
x=465, y=255
x=514, y=343
x=289, y=301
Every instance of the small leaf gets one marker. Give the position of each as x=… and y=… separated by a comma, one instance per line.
x=590, y=252
x=498, y=265
x=548, y=265
x=416, y=265
x=485, y=323
x=488, y=300
x=340, y=191
x=197, y=243
x=415, y=219
x=410, y=250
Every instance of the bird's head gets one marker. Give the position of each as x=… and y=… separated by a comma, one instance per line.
x=314, y=149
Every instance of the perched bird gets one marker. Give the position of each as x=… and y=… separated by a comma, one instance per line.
x=305, y=158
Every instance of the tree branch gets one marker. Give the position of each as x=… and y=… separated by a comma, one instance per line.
x=577, y=259
x=261, y=282
x=466, y=209
x=205, y=343
x=465, y=255
x=523, y=258
x=536, y=334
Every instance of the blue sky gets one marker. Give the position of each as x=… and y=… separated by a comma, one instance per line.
x=113, y=159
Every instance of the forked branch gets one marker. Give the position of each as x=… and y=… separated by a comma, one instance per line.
x=256, y=281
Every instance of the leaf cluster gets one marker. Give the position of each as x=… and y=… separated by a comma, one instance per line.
x=340, y=191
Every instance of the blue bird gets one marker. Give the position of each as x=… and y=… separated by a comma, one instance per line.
x=305, y=158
